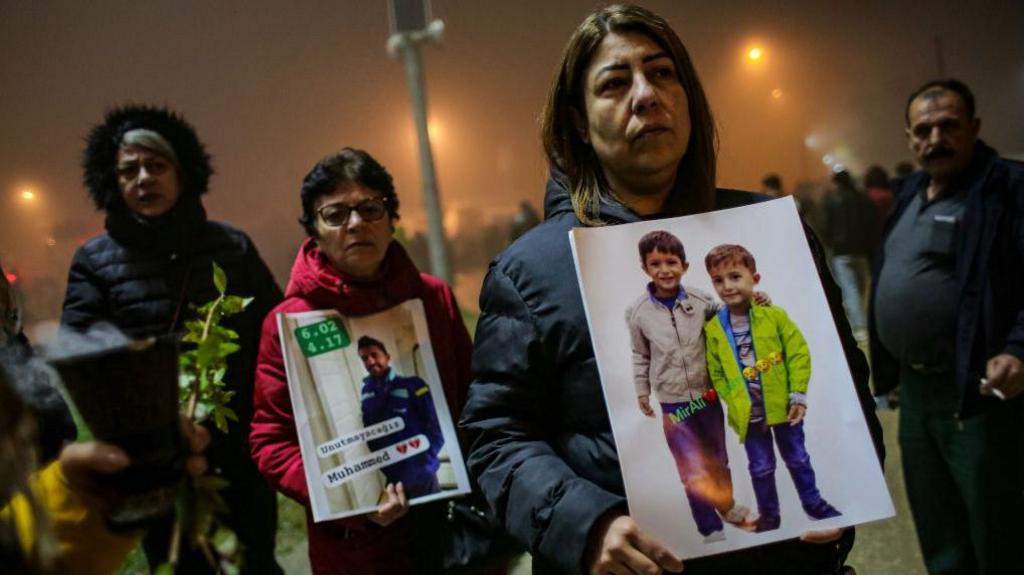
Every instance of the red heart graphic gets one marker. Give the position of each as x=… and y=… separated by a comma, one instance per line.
x=401, y=448
x=415, y=443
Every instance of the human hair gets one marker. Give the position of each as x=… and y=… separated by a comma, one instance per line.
x=843, y=180
x=934, y=88
x=348, y=166
x=732, y=254
x=99, y=161
x=661, y=241
x=367, y=341
x=904, y=169
x=876, y=177
x=772, y=181
x=563, y=145
x=152, y=141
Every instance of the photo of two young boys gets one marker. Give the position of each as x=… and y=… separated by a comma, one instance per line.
x=724, y=374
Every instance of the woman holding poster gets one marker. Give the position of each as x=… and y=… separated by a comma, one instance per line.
x=351, y=263
x=629, y=136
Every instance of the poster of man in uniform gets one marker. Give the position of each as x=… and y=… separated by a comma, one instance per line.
x=369, y=409
x=732, y=405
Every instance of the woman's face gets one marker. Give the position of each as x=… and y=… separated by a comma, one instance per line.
x=637, y=116
x=356, y=248
x=148, y=181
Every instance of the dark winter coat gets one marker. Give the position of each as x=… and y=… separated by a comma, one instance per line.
x=354, y=544
x=851, y=223
x=150, y=290
x=989, y=271
x=145, y=275
x=541, y=442
x=144, y=278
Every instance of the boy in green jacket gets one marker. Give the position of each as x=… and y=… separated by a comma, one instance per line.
x=760, y=365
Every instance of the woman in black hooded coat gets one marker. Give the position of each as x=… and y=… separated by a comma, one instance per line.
x=146, y=168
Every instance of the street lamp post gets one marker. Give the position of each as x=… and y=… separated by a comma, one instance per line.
x=409, y=30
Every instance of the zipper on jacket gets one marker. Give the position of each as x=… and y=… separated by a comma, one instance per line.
x=679, y=340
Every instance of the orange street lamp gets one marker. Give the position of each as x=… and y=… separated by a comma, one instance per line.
x=754, y=54
x=435, y=130
x=28, y=195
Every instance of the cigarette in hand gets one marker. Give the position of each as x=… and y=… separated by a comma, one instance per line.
x=993, y=390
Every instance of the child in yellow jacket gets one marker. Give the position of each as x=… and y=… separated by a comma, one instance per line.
x=760, y=365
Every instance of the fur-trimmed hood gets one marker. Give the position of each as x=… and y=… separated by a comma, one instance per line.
x=99, y=162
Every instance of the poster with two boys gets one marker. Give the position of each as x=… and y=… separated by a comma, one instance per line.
x=369, y=409
x=734, y=414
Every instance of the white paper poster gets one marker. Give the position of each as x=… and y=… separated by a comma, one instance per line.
x=369, y=409
x=737, y=423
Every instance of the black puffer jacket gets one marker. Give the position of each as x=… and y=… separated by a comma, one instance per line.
x=851, y=222
x=148, y=288
x=145, y=275
x=541, y=442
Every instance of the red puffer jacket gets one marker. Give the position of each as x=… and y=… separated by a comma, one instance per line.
x=351, y=545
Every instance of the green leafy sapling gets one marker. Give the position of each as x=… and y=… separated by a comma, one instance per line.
x=203, y=365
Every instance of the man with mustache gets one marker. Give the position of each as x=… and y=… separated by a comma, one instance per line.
x=948, y=327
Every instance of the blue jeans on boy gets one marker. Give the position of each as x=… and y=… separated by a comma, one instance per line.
x=761, y=458
x=695, y=432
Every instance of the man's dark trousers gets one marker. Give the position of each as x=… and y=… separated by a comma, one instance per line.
x=964, y=478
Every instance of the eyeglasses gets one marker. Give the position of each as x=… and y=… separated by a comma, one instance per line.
x=336, y=215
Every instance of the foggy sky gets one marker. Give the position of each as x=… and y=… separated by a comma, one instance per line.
x=273, y=86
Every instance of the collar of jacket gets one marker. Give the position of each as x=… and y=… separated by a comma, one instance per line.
x=680, y=295
x=313, y=278
x=755, y=317
x=388, y=378
x=981, y=163
x=982, y=207
x=170, y=233
x=557, y=201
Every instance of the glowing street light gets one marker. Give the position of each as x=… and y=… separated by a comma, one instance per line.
x=754, y=54
x=28, y=195
x=436, y=130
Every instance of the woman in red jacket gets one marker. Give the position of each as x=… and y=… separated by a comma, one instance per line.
x=351, y=263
